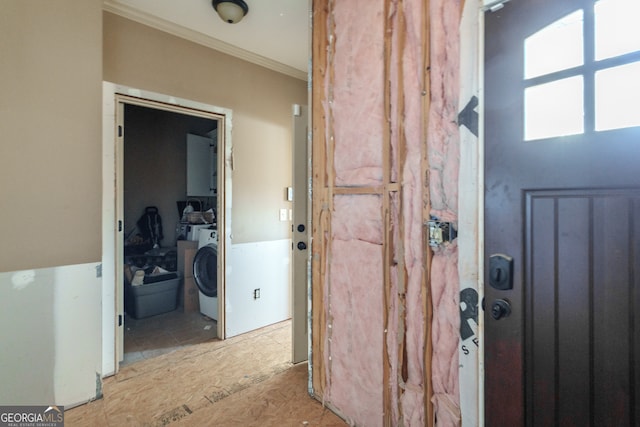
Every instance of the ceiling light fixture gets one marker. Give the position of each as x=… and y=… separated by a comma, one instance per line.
x=231, y=11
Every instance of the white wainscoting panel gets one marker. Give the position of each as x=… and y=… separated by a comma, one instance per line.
x=51, y=352
x=259, y=265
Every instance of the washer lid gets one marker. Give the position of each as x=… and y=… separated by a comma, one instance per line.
x=205, y=270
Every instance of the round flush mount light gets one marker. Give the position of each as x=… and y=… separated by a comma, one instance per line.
x=231, y=11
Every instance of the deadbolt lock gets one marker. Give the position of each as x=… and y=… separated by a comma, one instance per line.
x=501, y=272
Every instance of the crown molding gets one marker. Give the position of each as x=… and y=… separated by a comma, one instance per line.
x=200, y=38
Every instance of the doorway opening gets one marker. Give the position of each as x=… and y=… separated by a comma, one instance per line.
x=161, y=110
x=152, y=154
x=115, y=229
x=157, y=169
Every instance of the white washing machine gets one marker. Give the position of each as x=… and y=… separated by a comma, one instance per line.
x=193, y=231
x=205, y=272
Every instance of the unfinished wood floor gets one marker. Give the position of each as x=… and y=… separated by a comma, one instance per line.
x=244, y=381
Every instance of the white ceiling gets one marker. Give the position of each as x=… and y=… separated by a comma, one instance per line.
x=274, y=34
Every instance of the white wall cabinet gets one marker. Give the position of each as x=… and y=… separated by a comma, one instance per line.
x=202, y=161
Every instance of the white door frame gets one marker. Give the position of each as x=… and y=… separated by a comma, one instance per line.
x=113, y=301
x=301, y=258
x=471, y=207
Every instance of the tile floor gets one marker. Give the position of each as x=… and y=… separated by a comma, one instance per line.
x=156, y=335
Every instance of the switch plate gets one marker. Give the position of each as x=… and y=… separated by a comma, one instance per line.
x=283, y=215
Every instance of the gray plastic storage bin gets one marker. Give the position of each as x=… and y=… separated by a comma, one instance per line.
x=155, y=298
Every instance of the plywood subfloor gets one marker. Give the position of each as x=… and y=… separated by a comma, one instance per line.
x=244, y=381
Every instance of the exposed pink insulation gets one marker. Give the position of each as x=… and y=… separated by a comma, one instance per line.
x=355, y=284
x=358, y=71
x=445, y=332
x=443, y=136
x=444, y=161
x=355, y=310
x=411, y=58
x=358, y=92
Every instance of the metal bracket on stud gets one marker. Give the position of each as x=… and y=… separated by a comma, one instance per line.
x=440, y=232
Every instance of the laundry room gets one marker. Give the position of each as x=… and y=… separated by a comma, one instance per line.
x=214, y=276
x=161, y=311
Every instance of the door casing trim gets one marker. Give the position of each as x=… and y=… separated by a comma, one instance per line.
x=113, y=94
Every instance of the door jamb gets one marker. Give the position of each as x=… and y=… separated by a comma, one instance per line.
x=471, y=213
x=480, y=245
x=113, y=95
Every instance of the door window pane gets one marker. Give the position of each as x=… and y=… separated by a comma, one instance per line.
x=554, y=109
x=617, y=95
x=556, y=47
x=617, y=27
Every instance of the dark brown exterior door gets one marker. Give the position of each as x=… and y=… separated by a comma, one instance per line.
x=562, y=198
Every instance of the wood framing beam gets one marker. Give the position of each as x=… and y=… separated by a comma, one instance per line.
x=367, y=190
x=426, y=212
x=387, y=234
x=320, y=220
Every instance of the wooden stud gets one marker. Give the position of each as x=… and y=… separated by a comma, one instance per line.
x=318, y=245
x=387, y=223
x=426, y=212
x=330, y=174
x=401, y=155
x=358, y=190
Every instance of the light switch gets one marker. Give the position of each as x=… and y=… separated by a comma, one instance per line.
x=283, y=215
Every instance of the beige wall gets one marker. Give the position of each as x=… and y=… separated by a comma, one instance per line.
x=141, y=57
x=50, y=122
x=155, y=165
